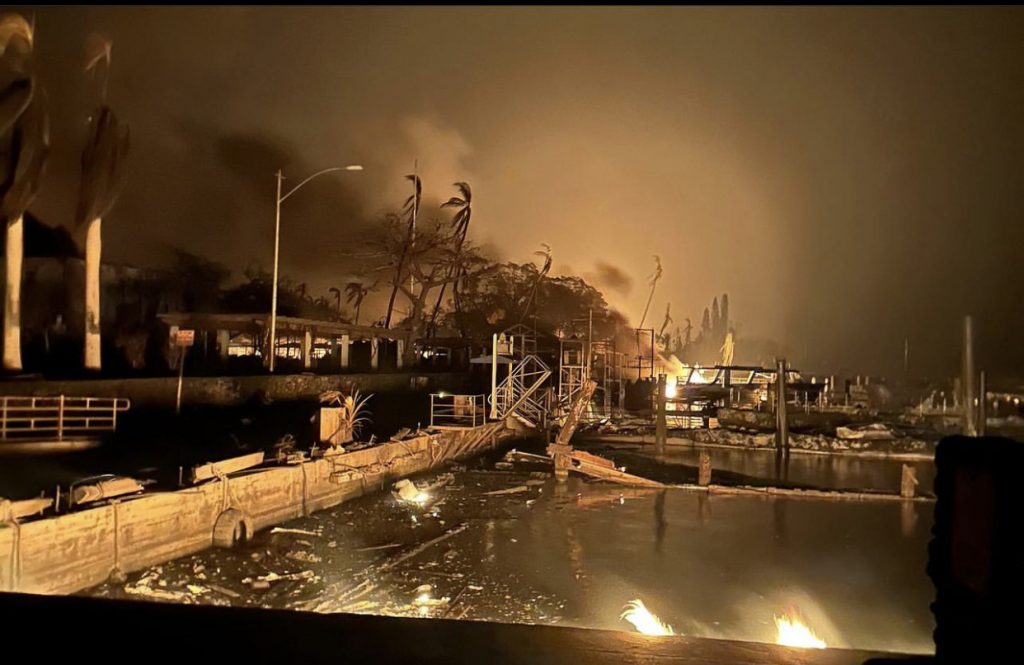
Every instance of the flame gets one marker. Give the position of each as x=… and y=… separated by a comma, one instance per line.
x=671, y=383
x=794, y=633
x=637, y=614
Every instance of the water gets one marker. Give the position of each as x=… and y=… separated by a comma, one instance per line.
x=825, y=471
x=574, y=553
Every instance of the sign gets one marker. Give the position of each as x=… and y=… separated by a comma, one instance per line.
x=184, y=338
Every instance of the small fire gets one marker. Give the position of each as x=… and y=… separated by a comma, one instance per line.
x=794, y=633
x=671, y=383
x=637, y=614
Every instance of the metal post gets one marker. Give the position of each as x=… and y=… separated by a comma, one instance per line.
x=781, y=424
x=969, y=414
x=982, y=406
x=494, y=376
x=60, y=418
x=273, y=293
x=660, y=423
x=181, y=378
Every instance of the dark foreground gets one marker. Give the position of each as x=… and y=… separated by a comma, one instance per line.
x=133, y=630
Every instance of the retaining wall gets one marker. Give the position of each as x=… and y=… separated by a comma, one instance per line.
x=67, y=553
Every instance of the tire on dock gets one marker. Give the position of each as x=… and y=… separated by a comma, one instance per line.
x=232, y=528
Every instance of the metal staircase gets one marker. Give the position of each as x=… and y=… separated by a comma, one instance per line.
x=521, y=396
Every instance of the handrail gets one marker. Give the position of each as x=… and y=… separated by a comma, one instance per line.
x=58, y=417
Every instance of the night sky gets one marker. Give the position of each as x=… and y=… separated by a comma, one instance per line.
x=848, y=176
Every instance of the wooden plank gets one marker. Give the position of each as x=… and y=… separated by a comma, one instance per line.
x=225, y=467
x=15, y=510
x=612, y=474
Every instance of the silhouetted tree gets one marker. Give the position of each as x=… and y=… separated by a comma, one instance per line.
x=24, y=145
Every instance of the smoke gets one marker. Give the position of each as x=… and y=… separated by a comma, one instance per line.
x=610, y=278
x=436, y=152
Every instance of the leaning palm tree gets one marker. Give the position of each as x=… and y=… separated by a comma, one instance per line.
x=460, y=228
x=355, y=293
x=541, y=274
x=653, y=282
x=103, y=162
x=412, y=210
x=24, y=145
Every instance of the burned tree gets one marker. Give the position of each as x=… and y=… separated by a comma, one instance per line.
x=103, y=176
x=24, y=144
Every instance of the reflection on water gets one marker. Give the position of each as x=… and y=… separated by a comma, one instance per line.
x=574, y=553
x=821, y=470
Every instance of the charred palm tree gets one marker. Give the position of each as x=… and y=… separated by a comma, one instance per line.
x=103, y=171
x=653, y=282
x=412, y=210
x=355, y=293
x=24, y=144
x=541, y=274
x=460, y=228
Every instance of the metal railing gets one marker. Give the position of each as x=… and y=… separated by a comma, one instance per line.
x=58, y=418
x=518, y=393
x=457, y=410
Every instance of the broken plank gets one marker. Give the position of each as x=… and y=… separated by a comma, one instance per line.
x=225, y=467
x=612, y=474
x=15, y=510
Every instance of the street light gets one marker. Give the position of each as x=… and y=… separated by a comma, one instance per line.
x=277, y=245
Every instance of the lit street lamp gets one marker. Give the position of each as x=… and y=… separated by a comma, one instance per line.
x=277, y=246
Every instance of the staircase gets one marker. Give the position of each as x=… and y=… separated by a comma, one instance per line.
x=521, y=396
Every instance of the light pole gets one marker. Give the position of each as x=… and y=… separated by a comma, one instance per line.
x=277, y=247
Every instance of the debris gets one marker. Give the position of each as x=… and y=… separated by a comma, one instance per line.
x=304, y=557
x=376, y=547
x=300, y=532
x=873, y=432
x=225, y=591
x=504, y=466
x=13, y=510
x=406, y=491
x=225, y=467
x=107, y=488
x=511, y=490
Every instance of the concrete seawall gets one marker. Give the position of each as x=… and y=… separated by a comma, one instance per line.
x=70, y=552
x=234, y=390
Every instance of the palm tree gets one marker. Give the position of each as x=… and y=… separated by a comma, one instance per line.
x=103, y=161
x=412, y=209
x=355, y=293
x=336, y=292
x=545, y=269
x=24, y=145
x=653, y=281
x=460, y=228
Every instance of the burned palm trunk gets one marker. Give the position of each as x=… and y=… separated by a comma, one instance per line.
x=102, y=179
x=12, y=294
x=24, y=145
x=93, y=254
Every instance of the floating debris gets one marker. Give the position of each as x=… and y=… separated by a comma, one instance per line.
x=511, y=490
x=298, y=532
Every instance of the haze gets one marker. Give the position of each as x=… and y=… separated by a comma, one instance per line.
x=850, y=176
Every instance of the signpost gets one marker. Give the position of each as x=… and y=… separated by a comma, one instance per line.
x=182, y=339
